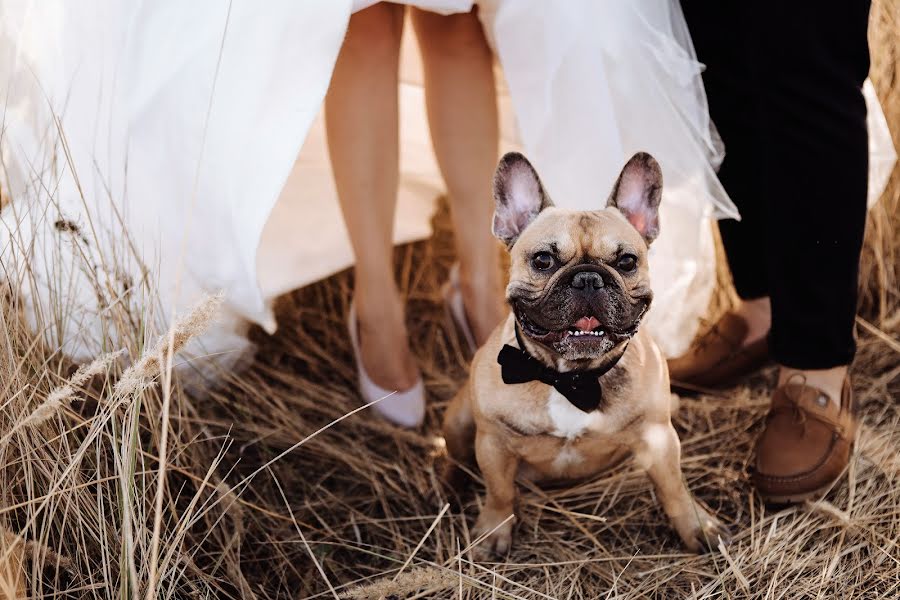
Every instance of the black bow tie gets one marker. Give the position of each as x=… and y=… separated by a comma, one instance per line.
x=581, y=388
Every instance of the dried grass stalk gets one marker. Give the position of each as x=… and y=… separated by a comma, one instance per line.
x=12, y=565
x=150, y=365
x=63, y=395
x=411, y=583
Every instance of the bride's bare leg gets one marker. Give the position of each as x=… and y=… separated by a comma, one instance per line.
x=462, y=115
x=361, y=118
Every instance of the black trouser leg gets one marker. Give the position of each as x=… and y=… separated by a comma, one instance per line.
x=785, y=80
x=719, y=37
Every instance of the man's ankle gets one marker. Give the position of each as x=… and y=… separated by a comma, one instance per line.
x=830, y=381
x=757, y=313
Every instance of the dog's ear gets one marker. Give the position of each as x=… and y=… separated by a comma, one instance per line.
x=518, y=197
x=637, y=194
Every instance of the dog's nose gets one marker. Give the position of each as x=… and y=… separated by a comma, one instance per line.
x=587, y=280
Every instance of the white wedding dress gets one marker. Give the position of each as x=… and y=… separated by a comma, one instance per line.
x=154, y=151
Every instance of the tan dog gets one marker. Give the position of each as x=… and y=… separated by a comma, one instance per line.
x=588, y=388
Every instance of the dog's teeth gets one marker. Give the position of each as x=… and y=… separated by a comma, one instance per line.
x=579, y=333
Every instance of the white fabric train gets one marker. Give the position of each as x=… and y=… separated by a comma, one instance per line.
x=184, y=121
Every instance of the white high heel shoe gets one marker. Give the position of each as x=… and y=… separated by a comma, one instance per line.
x=405, y=408
x=453, y=300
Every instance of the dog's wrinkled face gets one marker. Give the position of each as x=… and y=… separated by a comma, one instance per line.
x=579, y=282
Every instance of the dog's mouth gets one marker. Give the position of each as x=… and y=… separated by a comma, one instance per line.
x=584, y=330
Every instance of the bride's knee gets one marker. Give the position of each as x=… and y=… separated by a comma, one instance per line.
x=375, y=32
x=450, y=36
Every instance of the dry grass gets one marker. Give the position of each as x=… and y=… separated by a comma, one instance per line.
x=262, y=499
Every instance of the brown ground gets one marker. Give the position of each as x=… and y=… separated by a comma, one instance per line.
x=356, y=510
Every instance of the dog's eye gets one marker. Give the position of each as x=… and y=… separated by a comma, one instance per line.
x=626, y=263
x=542, y=261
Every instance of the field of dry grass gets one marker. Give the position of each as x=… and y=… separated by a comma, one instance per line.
x=266, y=496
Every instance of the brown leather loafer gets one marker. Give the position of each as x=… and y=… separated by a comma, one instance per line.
x=718, y=358
x=806, y=443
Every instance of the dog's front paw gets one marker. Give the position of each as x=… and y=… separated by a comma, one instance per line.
x=701, y=531
x=496, y=529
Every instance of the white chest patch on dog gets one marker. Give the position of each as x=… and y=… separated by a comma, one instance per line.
x=570, y=421
x=567, y=457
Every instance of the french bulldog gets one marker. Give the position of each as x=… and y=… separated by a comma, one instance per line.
x=569, y=385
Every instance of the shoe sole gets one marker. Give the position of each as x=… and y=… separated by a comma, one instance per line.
x=723, y=382
x=816, y=494
x=691, y=388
